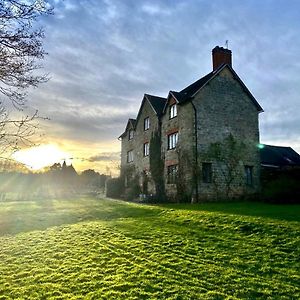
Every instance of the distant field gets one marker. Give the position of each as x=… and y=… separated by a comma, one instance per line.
x=107, y=249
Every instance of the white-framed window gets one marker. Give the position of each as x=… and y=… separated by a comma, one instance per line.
x=172, y=174
x=130, y=156
x=207, y=172
x=172, y=140
x=130, y=134
x=249, y=175
x=146, y=123
x=173, y=111
x=146, y=149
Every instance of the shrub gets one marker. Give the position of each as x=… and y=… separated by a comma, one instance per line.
x=134, y=190
x=282, y=190
x=281, y=186
x=114, y=187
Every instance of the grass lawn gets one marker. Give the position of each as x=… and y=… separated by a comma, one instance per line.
x=107, y=249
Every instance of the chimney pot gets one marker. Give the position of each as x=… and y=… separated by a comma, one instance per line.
x=221, y=56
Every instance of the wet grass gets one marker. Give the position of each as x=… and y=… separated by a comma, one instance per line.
x=106, y=249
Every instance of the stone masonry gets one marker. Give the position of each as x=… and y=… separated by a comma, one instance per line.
x=216, y=106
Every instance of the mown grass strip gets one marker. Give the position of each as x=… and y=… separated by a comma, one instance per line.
x=105, y=249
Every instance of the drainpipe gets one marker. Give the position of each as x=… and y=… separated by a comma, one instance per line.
x=196, y=150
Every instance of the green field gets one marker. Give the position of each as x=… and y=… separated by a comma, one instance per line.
x=107, y=249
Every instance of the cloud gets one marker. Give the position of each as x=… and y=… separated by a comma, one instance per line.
x=105, y=156
x=155, y=9
x=104, y=55
x=87, y=123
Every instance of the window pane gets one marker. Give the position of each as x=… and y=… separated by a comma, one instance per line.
x=207, y=172
x=173, y=111
x=130, y=137
x=146, y=149
x=172, y=174
x=249, y=175
x=146, y=123
x=172, y=140
x=130, y=156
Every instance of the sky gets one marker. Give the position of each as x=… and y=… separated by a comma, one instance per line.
x=104, y=55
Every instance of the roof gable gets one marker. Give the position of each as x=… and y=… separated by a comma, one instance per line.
x=174, y=95
x=159, y=104
x=130, y=124
x=195, y=87
x=190, y=91
x=155, y=102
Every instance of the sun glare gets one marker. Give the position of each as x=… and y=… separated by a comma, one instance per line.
x=41, y=156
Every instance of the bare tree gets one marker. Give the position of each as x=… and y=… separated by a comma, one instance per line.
x=14, y=132
x=21, y=49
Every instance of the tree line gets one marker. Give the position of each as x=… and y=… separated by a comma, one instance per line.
x=59, y=180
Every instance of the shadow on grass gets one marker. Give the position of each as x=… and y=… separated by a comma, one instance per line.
x=255, y=209
x=23, y=216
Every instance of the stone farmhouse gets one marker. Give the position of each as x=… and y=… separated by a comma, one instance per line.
x=215, y=112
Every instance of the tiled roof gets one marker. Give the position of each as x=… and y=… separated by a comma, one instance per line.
x=133, y=122
x=179, y=96
x=157, y=103
x=187, y=93
x=130, y=121
x=190, y=90
x=279, y=156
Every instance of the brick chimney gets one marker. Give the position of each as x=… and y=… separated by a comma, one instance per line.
x=221, y=56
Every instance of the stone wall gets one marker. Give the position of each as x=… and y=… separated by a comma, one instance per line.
x=140, y=162
x=224, y=108
x=183, y=155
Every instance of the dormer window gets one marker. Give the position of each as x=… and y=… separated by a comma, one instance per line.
x=130, y=134
x=173, y=111
x=146, y=123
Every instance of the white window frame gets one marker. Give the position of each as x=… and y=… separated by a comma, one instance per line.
x=146, y=149
x=130, y=156
x=146, y=123
x=172, y=140
x=130, y=134
x=173, y=111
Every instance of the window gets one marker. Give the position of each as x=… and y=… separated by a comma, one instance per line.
x=249, y=175
x=173, y=111
x=130, y=134
x=172, y=174
x=146, y=123
x=146, y=149
x=207, y=172
x=172, y=140
x=130, y=156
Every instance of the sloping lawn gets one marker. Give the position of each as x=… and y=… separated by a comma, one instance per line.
x=107, y=249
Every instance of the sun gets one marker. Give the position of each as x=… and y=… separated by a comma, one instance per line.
x=41, y=156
